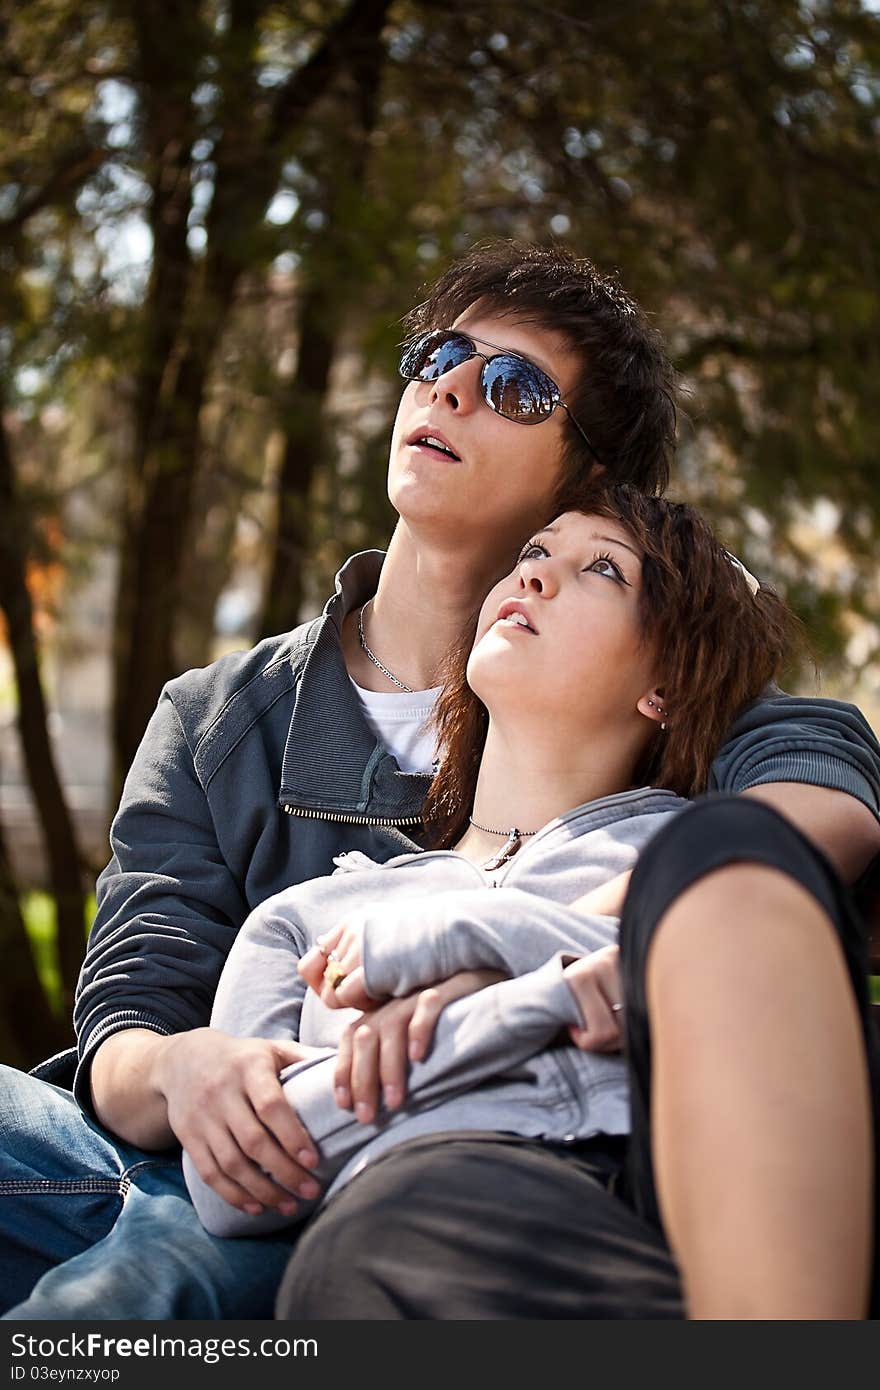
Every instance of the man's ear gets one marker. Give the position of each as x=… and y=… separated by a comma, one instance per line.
x=653, y=706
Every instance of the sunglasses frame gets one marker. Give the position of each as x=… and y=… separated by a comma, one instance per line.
x=554, y=394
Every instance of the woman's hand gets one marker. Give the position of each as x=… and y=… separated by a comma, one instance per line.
x=338, y=954
x=376, y=1049
x=595, y=983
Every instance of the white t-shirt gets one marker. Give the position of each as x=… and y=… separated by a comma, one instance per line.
x=399, y=720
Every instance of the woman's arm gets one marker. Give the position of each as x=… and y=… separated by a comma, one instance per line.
x=391, y=949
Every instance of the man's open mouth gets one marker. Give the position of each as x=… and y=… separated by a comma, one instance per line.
x=433, y=441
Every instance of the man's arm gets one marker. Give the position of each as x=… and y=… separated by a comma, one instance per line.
x=845, y=829
x=817, y=762
x=168, y=911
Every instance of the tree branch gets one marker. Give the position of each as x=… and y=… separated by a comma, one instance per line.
x=74, y=167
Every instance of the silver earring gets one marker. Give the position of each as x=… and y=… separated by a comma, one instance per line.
x=663, y=726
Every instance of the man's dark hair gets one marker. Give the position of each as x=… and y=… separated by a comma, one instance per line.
x=625, y=397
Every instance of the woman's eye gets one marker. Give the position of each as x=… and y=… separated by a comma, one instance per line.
x=532, y=551
x=603, y=564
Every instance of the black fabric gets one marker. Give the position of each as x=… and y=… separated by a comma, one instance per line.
x=482, y=1227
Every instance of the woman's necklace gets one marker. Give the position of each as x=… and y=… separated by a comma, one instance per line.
x=515, y=838
x=372, y=655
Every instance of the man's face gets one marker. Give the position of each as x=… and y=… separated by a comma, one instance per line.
x=504, y=478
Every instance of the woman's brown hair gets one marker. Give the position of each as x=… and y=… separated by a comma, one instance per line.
x=718, y=646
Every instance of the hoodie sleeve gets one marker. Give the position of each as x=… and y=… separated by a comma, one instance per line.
x=409, y=945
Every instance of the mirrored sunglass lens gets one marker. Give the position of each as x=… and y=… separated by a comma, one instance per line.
x=517, y=390
x=432, y=355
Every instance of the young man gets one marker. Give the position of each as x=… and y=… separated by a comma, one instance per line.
x=254, y=773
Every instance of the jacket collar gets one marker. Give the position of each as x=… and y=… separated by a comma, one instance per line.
x=333, y=763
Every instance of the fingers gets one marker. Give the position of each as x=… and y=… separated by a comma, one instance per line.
x=314, y=962
x=333, y=968
x=430, y=1003
x=329, y=940
x=393, y=1059
x=595, y=981
x=248, y=1168
x=210, y=1169
x=312, y=967
x=290, y=1138
x=365, y=1072
x=233, y=1119
x=342, y=944
x=350, y=993
x=342, y=1070
x=374, y=1053
x=372, y=1062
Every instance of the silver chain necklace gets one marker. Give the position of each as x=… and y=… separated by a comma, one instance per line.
x=515, y=838
x=372, y=655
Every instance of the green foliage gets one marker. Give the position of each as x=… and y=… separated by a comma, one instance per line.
x=723, y=156
x=38, y=910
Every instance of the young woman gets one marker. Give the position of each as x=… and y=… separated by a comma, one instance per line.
x=603, y=675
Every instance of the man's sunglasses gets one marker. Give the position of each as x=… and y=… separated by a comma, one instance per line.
x=512, y=386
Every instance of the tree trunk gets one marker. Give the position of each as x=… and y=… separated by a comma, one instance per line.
x=248, y=158
x=62, y=852
x=170, y=45
x=304, y=453
x=328, y=283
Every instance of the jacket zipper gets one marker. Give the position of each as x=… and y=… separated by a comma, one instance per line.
x=383, y=822
x=497, y=881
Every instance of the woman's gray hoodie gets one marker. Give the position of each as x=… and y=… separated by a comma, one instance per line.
x=499, y=1060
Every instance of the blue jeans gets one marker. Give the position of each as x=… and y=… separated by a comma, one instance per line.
x=93, y=1228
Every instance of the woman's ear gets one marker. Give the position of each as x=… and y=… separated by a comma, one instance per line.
x=652, y=706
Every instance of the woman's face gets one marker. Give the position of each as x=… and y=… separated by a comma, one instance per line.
x=560, y=637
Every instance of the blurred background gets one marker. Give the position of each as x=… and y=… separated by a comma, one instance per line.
x=212, y=216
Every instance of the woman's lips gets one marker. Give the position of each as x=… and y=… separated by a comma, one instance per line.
x=514, y=613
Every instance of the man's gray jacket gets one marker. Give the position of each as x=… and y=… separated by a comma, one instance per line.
x=256, y=771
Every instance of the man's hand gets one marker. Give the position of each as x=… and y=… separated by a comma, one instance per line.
x=228, y=1110
x=221, y=1098
x=375, y=1050
x=595, y=983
